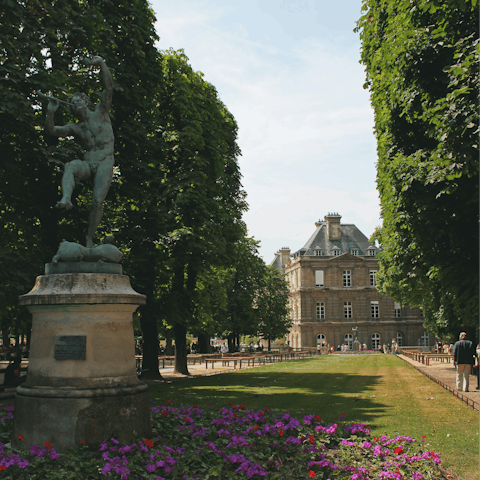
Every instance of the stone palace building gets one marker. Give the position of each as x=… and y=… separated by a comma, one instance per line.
x=333, y=295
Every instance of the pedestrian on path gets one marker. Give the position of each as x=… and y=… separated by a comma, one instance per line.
x=464, y=354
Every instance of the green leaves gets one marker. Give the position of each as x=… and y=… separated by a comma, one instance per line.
x=424, y=89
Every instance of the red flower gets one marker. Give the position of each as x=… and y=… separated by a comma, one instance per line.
x=342, y=415
x=48, y=445
x=261, y=413
x=21, y=437
x=376, y=438
x=318, y=418
x=234, y=415
x=164, y=413
x=311, y=473
x=195, y=405
x=82, y=442
x=312, y=439
x=148, y=443
x=234, y=406
x=398, y=450
x=255, y=427
x=280, y=432
x=186, y=419
x=242, y=405
x=169, y=402
x=3, y=467
x=230, y=402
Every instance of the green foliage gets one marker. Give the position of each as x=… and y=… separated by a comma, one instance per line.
x=42, y=47
x=421, y=62
x=248, y=274
x=272, y=300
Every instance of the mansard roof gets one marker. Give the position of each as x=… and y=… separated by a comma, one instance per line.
x=277, y=263
x=351, y=238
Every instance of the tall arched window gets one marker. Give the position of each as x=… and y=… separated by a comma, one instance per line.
x=321, y=340
x=375, y=341
x=348, y=340
x=399, y=338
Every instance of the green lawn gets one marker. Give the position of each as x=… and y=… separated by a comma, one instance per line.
x=381, y=390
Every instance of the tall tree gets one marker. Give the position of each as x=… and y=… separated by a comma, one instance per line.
x=248, y=273
x=421, y=60
x=272, y=306
x=202, y=190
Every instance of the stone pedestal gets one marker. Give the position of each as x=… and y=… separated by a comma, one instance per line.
x=90, y=391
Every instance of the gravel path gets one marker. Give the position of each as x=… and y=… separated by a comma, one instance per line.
x=445, y=373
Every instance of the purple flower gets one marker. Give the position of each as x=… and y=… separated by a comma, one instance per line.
x=150, y=467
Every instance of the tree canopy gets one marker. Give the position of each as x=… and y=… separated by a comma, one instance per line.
x=176, y=201
x=421, y=62
x=42, y=47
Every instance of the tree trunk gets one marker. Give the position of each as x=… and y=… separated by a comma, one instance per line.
x=231, y=343
x=268, y=343
x=150, y=345
x=180, y=333
x=168, y=343
x=204, y=344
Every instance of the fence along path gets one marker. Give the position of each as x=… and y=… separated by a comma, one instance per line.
x=442, y=372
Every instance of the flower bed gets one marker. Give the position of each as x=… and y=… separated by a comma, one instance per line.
x=231, y=442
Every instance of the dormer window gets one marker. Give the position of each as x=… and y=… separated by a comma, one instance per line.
x=354, y=252
x=336, y=251
x=318, y=252
x=371, y=251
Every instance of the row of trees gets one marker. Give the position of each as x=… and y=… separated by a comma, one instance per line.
x=421, y=59
x=176, y=201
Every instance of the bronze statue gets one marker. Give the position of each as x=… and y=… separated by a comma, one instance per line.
x=94, y=133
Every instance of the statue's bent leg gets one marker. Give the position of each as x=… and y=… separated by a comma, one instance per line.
x=101, y=184
x=75, y=168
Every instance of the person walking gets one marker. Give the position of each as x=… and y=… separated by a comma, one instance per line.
x=464, y=354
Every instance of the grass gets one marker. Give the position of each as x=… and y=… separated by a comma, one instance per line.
x=381, y=390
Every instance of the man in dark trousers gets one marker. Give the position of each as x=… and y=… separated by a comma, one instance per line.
x=464, y=354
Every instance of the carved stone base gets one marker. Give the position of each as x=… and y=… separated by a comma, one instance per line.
x=92, y=416
x=81, y=382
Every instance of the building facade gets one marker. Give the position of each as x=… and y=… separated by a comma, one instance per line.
x=333, y=295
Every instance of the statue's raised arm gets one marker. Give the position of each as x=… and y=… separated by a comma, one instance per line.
x=106, y=99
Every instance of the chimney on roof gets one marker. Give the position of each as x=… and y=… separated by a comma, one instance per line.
x=284, y=255
x=333, y=226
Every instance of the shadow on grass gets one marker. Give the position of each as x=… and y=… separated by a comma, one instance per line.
x=326, y=394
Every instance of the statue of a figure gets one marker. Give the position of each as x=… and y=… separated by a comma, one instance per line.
x=94, y=133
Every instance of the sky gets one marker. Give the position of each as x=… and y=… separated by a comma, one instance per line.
x=289, y=72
